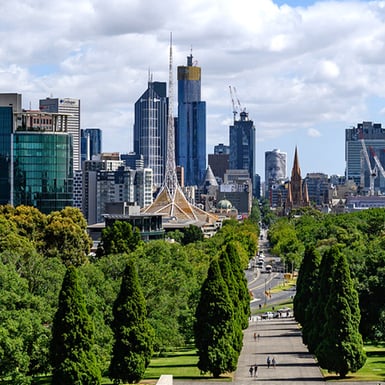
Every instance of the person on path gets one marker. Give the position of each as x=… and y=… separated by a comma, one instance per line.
x=268, y=362
x=255, y=336
x=273, y=362
x=255, y=370
x=251, y=370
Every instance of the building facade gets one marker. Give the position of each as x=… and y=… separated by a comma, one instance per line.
x=242, y=145
x=190, y=135
x=150, y=129
x=71, y=107
x=90, y=143
x=275, y=169
x=42, y=161
x=9, y=103
x=370, y=138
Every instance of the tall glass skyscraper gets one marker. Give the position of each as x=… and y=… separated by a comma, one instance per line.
x=42, y=157
x=91, y=143
x=9, y=103
x=372, y=136
x=242, y=145
x=150, y=129
x=190, y=135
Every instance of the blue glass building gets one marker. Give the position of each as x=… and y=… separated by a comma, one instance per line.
x=150, y=129
x=190, y=134
x=242, y=145
x=90, y=143
x=6, y=123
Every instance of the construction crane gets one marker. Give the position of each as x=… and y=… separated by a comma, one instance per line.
x=237, y=107
x=372, y=171
x=378, y=163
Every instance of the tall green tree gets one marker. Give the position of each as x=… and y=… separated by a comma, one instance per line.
x=341, y=348
x=233, y=290
x=132, y=348
x=239, y=277
x=72, y=357
x=306, y=283
x=213, y=328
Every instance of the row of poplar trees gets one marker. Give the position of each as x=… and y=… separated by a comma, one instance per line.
x=71, y=352
x=222, y=313
x=326, y=305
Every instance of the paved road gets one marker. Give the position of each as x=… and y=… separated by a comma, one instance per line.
x=279, y=338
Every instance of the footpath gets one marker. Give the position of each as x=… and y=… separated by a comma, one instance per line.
x=279, y=338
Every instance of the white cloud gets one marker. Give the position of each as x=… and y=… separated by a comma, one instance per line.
x=313, y=132
x=293, y=67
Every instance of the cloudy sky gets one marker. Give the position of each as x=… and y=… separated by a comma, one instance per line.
x=304, y=70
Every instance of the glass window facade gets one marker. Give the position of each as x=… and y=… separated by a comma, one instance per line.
x=43, y=170
x=5, y=154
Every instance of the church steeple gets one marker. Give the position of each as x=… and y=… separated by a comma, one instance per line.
x=297, y=195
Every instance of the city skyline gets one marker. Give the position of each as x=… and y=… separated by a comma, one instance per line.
x=304, y=70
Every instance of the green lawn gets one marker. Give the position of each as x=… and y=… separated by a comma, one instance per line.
x=182, y=364
x=373, y=370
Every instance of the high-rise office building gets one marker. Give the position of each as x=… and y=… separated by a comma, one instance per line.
x=91, y=143
x=242, y=144
x=275, y=169
x=150, y=129
x=366, y=139
x=9, y=103
x=190, y=137
x=71, y=107
x=42, y=161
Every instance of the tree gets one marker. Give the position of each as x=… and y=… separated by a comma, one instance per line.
x=341, y=348
x=132, y=348
x=213, y=328
x=72, y=357
x=119, y=238
x=243, y=297
x=306, y=283
x=192, y=234
x=233, y=289
x=66, y=237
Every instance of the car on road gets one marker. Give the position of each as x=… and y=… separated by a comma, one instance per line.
x=267, y=315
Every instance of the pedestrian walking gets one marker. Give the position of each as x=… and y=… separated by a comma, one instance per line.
x=251, y=370
x=255, y=370
x=273, y=362
x=255, y=336
x=268, y=362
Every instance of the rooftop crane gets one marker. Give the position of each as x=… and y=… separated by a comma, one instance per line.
x=372, y=171
x=235, y=111
x=378, y=163
x=237, y=107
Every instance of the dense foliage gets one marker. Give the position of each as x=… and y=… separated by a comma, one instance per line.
x=71, y=351
x=35, y=250
x=327, y=295
x=216, y=327
x=133, y=336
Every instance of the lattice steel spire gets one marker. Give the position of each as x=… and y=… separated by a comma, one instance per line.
x=171, y=202
x=170, y=178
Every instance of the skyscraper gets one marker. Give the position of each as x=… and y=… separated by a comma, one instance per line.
x=150, y=129
x=242, y=144
x=275, y=169
x=190, y=134
x=72, y=108
x=367, y=138
x=91, y=143
x=9, y=103
x=42, y=157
